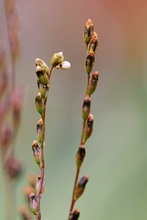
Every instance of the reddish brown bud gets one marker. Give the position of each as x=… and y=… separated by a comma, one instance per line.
x=80, y=156
x=86, y=108
x=93, y=83
x=89, y=27
x=89, y=62
x=93, y=43
x=74, y=215
x=80, y=187
x=89, y=128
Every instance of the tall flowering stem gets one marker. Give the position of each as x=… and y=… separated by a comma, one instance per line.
x=91, y=41
x=43, y=73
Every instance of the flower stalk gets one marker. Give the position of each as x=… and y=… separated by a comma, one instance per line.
x=43, y=73
x=91, y=40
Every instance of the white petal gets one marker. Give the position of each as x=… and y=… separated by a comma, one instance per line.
x=65, y=65
x=60, y=54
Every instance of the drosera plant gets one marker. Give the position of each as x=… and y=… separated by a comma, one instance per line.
x=36, y=187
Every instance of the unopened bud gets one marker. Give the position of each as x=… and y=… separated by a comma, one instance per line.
x=42, y=64
x=42, y=89
x=57, y=59
x=42, y=75
x=38, y=184
x=39, y=103
x=88, y=31
x=74, y=215
x=33, y=203
x=39, y=128
x=36, y=152
x=89, y=128
x=93, y=43
x=93, y=83
x=80, y=156
x=86, y=108
x=80, y=187
x=89, y=62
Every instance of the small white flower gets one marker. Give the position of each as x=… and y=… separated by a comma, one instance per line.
x=65, y=65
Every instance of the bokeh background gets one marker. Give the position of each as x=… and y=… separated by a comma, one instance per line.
x=116, y=159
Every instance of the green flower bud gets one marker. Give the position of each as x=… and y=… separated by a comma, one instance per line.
x=42, y=75
x=80, y=187
x=42, y=64
x=93, y=43
x=36, y=152
x=88, y=129
x=86, y=108
x=39, y=128
x=43, y=89
x=88, y=31
x=89, y=62
x=80, y=156
x=39, y=103
x=57, y=59
x=93, y=83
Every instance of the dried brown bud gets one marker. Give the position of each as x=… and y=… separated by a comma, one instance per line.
x=89, y=27
x=93, y=43
x=93, y=83
x=74, y=215
x=80, y=187
x=89, y=62
x=80, y=156
x=89, y=128
x=86, y=108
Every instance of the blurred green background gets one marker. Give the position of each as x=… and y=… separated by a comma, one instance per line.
x=116, y=159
